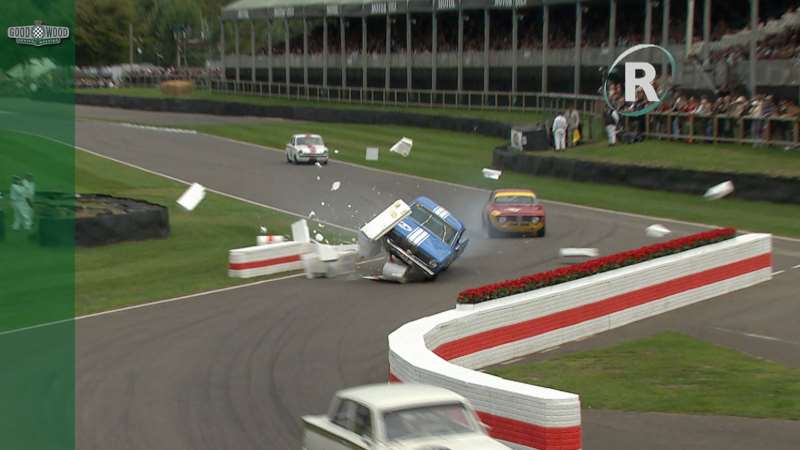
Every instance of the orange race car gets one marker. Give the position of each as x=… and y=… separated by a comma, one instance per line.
x=514, y=211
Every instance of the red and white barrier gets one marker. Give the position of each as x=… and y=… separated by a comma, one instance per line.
x=266, y=259
x=444, y=349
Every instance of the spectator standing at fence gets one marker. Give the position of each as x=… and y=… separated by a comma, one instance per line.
x=573, y=127
x=678, y=107
x=756, y=112
x=612, y=121
x=560, y=132
x=704, y=110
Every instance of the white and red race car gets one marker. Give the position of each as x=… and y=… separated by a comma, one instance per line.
x=306, y=148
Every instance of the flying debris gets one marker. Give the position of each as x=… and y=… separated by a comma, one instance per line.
x=192, y=197
x=372, y=153
x=492, y=174
x=318, y=237
x=336, y=185
x=402, y=147
x=318, y=164
x=657, y=231
x=386, y=220
x=721, y=190
x=300, y=231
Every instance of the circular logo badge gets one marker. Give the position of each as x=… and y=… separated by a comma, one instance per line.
x=653, y=104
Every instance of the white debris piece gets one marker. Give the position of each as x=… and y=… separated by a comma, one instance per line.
x=394, y=271
x=336, y=185
x=386, y=220
x=372, y=153
x=269, y=239
x=367, y=248
x=322, y=203
x=719, y=191
x=311, y=214
x=349, y=206
x=330, y=261
x=318, y=164
x=336, y=151
x=312, y=265
x=492, y=174
x=318, y=237
x=192, y=197
x=317, y=177
x=263, y=230
x=402, y=147
x=327, y=253
x=300, y=231
x=657, y=231
x=578, y=252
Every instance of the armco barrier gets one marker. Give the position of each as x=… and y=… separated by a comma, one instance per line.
x=266, y=259
x=446, y=348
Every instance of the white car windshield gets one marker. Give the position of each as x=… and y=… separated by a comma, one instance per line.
x=427, y=421
x=309, y=140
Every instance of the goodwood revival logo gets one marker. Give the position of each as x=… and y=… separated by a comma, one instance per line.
x=38, y=34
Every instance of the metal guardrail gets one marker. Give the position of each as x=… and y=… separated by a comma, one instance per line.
x=777, y=131
x=495, y=100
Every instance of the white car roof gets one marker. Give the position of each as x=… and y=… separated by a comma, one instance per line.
x=389, y=396
x=307, y=135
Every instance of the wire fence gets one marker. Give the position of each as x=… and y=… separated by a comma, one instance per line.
x=692, y=128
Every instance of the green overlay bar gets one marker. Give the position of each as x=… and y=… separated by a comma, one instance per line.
x=37, y=258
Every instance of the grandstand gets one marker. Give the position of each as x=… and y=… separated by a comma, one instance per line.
x=516, y=46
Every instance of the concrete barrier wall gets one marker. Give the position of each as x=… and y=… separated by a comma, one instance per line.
x=267, y=259
x=444, y=349
x=748, y=186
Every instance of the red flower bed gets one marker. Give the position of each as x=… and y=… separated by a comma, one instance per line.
x=592, y=266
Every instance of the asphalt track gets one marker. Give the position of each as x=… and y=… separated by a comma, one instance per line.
x=236, y=369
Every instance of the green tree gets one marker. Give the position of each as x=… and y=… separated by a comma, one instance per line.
x=101, y=36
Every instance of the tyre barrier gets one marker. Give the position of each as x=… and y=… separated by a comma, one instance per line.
x=749, y=186
x=446, y=349
x=269, y=259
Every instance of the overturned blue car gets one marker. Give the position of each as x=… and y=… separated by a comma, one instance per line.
x=425, y=243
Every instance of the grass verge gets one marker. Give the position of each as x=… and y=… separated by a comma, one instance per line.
x=672, y=373
x=733, y=158
x=193, y=259
x=459, y=158
x=512, y=117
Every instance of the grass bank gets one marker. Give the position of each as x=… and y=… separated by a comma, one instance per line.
x=733, y=158
x=459, y=158
x=511, y=117
x=193, y=259
x=671, y=373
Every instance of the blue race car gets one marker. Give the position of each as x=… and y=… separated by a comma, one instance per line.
x=429, y=239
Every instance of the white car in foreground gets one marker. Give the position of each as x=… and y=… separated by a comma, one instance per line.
x=306, y=148
x=397, y=417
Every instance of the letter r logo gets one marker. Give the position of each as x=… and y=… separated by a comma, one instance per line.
x=632, y=81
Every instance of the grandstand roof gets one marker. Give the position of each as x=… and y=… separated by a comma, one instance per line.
x=249, y=9
x=259, y=4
